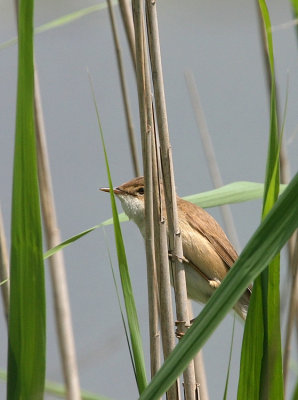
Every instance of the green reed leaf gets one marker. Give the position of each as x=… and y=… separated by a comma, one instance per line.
x=27, y=316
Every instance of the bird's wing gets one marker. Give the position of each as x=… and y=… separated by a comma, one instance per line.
x=205, y=224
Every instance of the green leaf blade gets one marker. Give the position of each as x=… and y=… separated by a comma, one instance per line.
x=235, y=192
x=26, y=348
x=131, y=311
x=261, y=374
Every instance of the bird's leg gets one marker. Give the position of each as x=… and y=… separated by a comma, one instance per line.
x=214, y=283
x=181, y=259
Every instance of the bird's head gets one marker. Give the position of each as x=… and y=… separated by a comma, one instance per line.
x=131, y=194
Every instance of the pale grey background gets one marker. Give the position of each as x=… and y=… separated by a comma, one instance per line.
x=219, y=42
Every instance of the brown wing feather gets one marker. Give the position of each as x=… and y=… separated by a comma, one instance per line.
x=204, y=223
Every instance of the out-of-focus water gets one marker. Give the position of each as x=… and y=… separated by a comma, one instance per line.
x=219, y=42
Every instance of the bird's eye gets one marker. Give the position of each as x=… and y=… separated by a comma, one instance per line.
x=140, y=190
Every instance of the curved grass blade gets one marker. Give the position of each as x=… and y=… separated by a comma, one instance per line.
x=67, y=242
x=72, y=17
x=61, y=21
x=272, y=234
x=236, y=192
x=27, y=316
x=122, y=217
x=59, y=390
x=131, y=312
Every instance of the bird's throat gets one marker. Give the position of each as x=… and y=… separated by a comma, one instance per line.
x=134, y=209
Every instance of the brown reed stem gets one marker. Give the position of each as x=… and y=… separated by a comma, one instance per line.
x=127, y=19
x=170, y=193
x=146, y=125
x=163, y=271
x=201, y=378
x=57, y=268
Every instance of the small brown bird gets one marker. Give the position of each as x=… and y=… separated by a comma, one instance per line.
x=208, y=252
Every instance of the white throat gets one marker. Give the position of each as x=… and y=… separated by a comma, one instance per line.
x=134, y=209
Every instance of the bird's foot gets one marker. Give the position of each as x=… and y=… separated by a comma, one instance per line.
x=214, y=283
x=181, y=330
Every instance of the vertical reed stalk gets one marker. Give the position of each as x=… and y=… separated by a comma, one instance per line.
x=57, y=267
x=170, y=193
x=201, y=378
x=126, y=15
x=146, y=124
x=163, y=271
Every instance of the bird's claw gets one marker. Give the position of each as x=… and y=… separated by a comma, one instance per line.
x=214, y=283
x=182, y=327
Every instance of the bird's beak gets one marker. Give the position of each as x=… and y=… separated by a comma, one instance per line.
x=115, y=190
x=105, y=190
